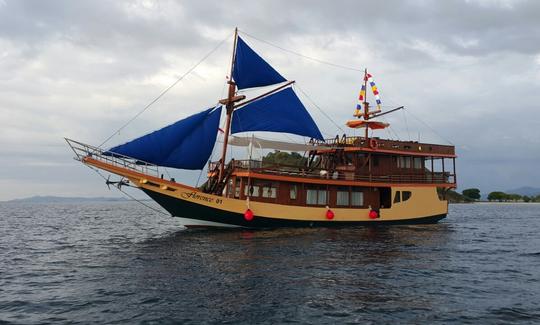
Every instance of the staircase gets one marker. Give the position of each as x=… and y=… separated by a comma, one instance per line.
x=214, y=185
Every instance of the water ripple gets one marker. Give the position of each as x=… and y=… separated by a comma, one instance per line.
x=120, y=263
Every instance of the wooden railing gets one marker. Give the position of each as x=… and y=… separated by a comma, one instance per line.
x=385, y=144
x=83, y=150
x=258, y=166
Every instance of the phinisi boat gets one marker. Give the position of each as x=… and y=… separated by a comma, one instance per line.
x=341, y=181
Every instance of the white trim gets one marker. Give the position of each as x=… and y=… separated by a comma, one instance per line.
x=187, y=222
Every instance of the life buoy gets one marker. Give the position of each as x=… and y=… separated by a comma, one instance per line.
x=373, y=144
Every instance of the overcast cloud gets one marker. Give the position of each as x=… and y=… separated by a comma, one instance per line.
x=470, y=70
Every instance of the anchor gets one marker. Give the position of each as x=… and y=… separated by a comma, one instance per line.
x=118, y=184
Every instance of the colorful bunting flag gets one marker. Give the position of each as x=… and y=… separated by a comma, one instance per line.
x=361, y=97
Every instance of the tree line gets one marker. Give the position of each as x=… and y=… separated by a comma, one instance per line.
x=473, y=194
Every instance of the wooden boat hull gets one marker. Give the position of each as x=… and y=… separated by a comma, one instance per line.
x=203, y=209
x=197, y=215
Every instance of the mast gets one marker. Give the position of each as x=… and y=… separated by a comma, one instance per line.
x=366, y=104
x=230, y=107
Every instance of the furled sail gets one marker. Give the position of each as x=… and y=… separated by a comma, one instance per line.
x=250, y=70
x=186, y=144
x=280, y=112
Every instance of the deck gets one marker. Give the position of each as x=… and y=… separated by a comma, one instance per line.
x=259, y=167
x=394, y=146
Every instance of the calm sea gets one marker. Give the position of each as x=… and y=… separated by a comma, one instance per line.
x=123, y=263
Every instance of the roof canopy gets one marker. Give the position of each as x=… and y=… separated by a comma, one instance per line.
x=374, y=125
x=274, y=144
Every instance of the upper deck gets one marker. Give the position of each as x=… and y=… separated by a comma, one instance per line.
x=413, y=148
x=355, y=160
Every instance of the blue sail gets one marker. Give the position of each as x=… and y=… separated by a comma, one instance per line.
x=280, y=112
x=250, y=70
x=186, y=144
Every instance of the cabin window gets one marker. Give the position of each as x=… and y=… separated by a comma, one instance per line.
x=357, y=198
x=417, y=163
x=293, y=192
x=311, y=196
x=342, y=197
x=317, y=196
x=408, y=162
x=237, y=189
x=229, y=187
x=252, y=191
x=406, y=195
x=404, y=162
x=269, y=191
x=322, y=197
x=397, y=198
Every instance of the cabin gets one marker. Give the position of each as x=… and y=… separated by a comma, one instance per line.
x=351, y=172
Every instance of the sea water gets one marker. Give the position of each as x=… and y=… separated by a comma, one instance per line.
x=119, y=262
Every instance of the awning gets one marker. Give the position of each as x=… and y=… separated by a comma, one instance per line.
x=273, y=144
x=374, y=125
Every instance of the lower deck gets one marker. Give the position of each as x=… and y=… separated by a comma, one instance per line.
x=315, y=195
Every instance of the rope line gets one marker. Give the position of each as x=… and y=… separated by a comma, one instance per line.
x=429, y=127
x=320, y=109
x=406, y=125
x=166, y=90
x=302, y=55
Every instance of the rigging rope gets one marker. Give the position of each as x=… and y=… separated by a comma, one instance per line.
x=429, y=127
x=317, y=106
x=406, y=125
x=302, y=55
x=166, y=90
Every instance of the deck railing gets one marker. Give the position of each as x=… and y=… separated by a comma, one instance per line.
x=385, y=144
x=83, y=150
x=261, y=167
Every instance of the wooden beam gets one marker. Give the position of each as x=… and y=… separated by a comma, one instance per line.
x=234, y=99
x=265, y=94
x=388, y=112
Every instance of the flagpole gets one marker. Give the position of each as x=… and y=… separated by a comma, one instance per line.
x=366, y=105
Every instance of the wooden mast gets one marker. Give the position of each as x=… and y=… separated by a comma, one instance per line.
x=230, y=107
x=366, y=106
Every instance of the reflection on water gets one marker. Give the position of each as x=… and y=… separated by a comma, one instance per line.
x=112, y=262
x=310, y=273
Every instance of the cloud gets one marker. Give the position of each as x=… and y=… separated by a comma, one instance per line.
x=468, y=69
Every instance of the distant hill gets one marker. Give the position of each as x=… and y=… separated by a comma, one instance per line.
x=62, y=199
x=525, y=190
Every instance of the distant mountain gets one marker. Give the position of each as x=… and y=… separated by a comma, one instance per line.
x=525, y=190
x=61, y=199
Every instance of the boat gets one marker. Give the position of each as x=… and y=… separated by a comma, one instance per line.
x=338, y=182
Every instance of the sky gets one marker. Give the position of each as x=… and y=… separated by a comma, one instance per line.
x=467, y=72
